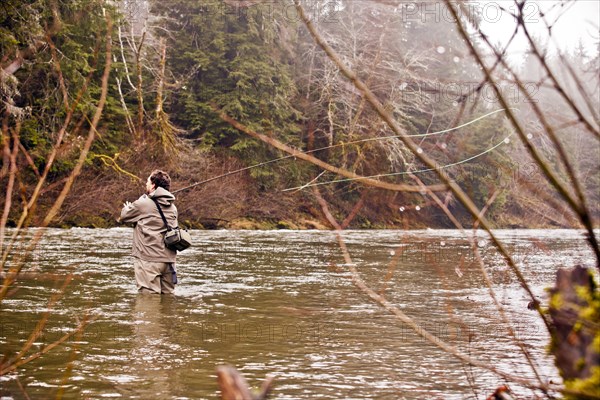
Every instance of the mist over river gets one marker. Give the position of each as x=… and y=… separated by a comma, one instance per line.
x=281, y=303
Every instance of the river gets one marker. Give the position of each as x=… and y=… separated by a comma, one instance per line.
x=281, y=303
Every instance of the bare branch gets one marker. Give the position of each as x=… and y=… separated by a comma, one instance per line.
x=390, y=121
x=579, y=208
x=124, y=60
x=306, y=157
x=11, y=181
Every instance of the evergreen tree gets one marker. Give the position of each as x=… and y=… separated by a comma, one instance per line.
x=51, y=59
x=228, y=57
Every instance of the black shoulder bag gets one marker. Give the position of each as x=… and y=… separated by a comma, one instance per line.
x=175, y=238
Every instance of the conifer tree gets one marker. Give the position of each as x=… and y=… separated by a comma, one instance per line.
x=229, y=57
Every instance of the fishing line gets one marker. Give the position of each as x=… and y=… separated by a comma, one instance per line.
x=505, y=140
x=229, y=173
x=334, y=146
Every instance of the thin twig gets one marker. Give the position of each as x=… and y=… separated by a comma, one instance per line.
x=18, y=265
x=322, y=164
x=11, y=181
x=486, y=277
x=579, y=208
x=391, y=122
x=46, y=349
x=401, y=316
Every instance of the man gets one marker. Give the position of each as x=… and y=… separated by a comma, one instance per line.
x=154, y=263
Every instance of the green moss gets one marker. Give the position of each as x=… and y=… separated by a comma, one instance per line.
x=189, y=224
x=85, y=220
x=589, y=387
x=556, y=301
x=366, y=224
x=251, y=224
x=286, y=225
x=580, y=364
x=588, y=317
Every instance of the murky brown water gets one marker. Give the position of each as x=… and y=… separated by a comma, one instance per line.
x=274, y=303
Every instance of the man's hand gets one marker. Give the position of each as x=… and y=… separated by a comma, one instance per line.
x=128, y=213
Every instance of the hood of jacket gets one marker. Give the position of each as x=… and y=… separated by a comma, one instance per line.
x=163, y=196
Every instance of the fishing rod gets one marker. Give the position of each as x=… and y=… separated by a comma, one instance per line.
x=229, y=173
x=334, y=146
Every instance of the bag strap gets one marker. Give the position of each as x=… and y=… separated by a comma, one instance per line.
x=162, y=215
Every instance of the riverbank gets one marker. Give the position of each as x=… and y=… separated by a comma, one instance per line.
x=245, y=201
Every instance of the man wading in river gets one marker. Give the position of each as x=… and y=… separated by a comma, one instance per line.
x=154, y=263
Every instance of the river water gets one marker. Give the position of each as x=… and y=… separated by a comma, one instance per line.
x=281, y=303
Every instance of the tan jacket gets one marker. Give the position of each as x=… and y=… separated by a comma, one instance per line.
x=149, y=227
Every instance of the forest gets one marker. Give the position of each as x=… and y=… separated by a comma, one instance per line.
x=115, y=90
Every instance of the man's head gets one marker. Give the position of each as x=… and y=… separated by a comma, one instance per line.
x=158, y=179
